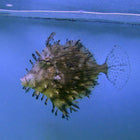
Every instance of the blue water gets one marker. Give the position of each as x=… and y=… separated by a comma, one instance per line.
x=109, y=114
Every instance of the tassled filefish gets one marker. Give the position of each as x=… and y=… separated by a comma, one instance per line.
x=65, y=73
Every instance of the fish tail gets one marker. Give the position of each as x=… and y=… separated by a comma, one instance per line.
x=118, y=67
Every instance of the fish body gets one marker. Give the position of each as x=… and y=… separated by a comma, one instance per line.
x=63, y=73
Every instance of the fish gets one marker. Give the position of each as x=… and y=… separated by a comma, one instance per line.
x=64, y=73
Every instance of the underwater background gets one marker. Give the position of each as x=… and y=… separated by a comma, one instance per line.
x=109, y=114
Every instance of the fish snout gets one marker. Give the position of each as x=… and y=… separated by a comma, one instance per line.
x=27, y=80
x=23, y=80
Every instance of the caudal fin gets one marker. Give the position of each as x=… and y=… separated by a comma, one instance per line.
x=118, y=67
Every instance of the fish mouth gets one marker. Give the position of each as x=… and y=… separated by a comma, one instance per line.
x=23, y=80
x=28, y=80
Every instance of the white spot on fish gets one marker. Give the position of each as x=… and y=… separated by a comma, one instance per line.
x=57, y=77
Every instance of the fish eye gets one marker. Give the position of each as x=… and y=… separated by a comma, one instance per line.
x=48, y=62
